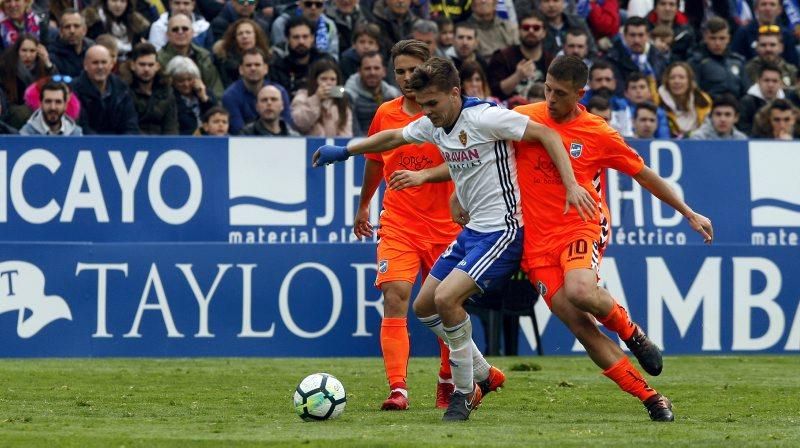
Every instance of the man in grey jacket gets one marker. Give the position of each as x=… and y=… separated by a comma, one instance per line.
x=721, y=123
x=367, y=90
x=50, y=118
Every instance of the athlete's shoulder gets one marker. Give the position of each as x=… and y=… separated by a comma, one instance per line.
x=533, y=110
x=390, y=106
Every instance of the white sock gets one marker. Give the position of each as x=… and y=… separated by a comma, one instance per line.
x=480, y=367
x=459, y=339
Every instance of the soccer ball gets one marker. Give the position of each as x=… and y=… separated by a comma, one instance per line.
x=319, y=397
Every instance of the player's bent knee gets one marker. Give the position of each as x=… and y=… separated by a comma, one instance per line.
x=581, y=294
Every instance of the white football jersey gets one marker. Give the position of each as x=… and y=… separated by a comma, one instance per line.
x=480, y=156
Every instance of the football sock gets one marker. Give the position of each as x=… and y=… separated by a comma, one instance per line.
x=618, y=321
x=459, y=338
x=629, y=379
x=444, y=355
x=395, y=346
x=480, y=367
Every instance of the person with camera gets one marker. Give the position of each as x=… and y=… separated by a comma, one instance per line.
x=323, y=110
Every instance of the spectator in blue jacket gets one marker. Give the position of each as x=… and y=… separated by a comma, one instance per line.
x=637, y=92
x=106, y=103
x=768, y=14
x=67, y=52
x=240, y=98
x=603, y=83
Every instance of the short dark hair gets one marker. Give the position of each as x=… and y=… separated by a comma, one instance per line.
x=532, y=14
x=715, y=25
x=436, y=72
x=296, y=21
x=769, y=67
x=143, y=49
x=569, y=68
x=466, y=25
x=54, y=86
x=367, y=29
x=726, y=99
x=634, y=21
x=635, y=77
x=779, y=104
x=214, y=111
x=68, y=11
x=598, y=102
x=646, y=105
x=600, y=64
x=577, y=32
x=253, y=52
x=370, y=54
x=413, y=48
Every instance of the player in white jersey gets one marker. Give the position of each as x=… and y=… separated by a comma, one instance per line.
x=473, y=137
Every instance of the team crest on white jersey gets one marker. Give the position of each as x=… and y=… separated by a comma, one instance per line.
x=462, y=137
x=575, y=150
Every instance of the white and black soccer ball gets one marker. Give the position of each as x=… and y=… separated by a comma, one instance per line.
x=319, y=397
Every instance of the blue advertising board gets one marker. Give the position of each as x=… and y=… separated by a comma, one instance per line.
x=228, y=247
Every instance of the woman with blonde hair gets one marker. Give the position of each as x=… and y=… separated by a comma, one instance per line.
x=685, y=104
x=325, y=112
x=241, y=36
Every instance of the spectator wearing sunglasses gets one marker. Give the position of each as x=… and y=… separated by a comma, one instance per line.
x=68, y=50
x=202, y=29
x=51, y=117
x=326, y=36
x=514, y=69
x=179, y=43
x=768, y=19
x=235, y=10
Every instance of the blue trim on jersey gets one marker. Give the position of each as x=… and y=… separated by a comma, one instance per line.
x=489, y=259
x=470, y=101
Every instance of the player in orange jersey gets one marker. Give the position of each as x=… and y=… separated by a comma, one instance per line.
x=562, y=252
x=415, y=226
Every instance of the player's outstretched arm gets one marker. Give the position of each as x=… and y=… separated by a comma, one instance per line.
x=648, y=179
x=401, y=179
x=577, y=196
x=382, y=141
x=373, y=171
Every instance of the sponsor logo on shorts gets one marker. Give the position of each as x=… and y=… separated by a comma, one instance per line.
x=575, y=150
x=541, y=288
x=383, y=266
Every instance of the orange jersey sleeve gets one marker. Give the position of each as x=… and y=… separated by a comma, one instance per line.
x=421, y=212
x=592, y=146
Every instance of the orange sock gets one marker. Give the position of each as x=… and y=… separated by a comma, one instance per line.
x=444, y=353
x=618, y=321
x=629, y=379
x=396, y=347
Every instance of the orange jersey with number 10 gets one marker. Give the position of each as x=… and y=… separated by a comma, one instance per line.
x=592, y=146
x=423, y=211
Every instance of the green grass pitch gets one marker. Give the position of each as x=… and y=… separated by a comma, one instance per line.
x=548, y=401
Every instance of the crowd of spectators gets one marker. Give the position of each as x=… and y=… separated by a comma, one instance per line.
x=699, y=69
